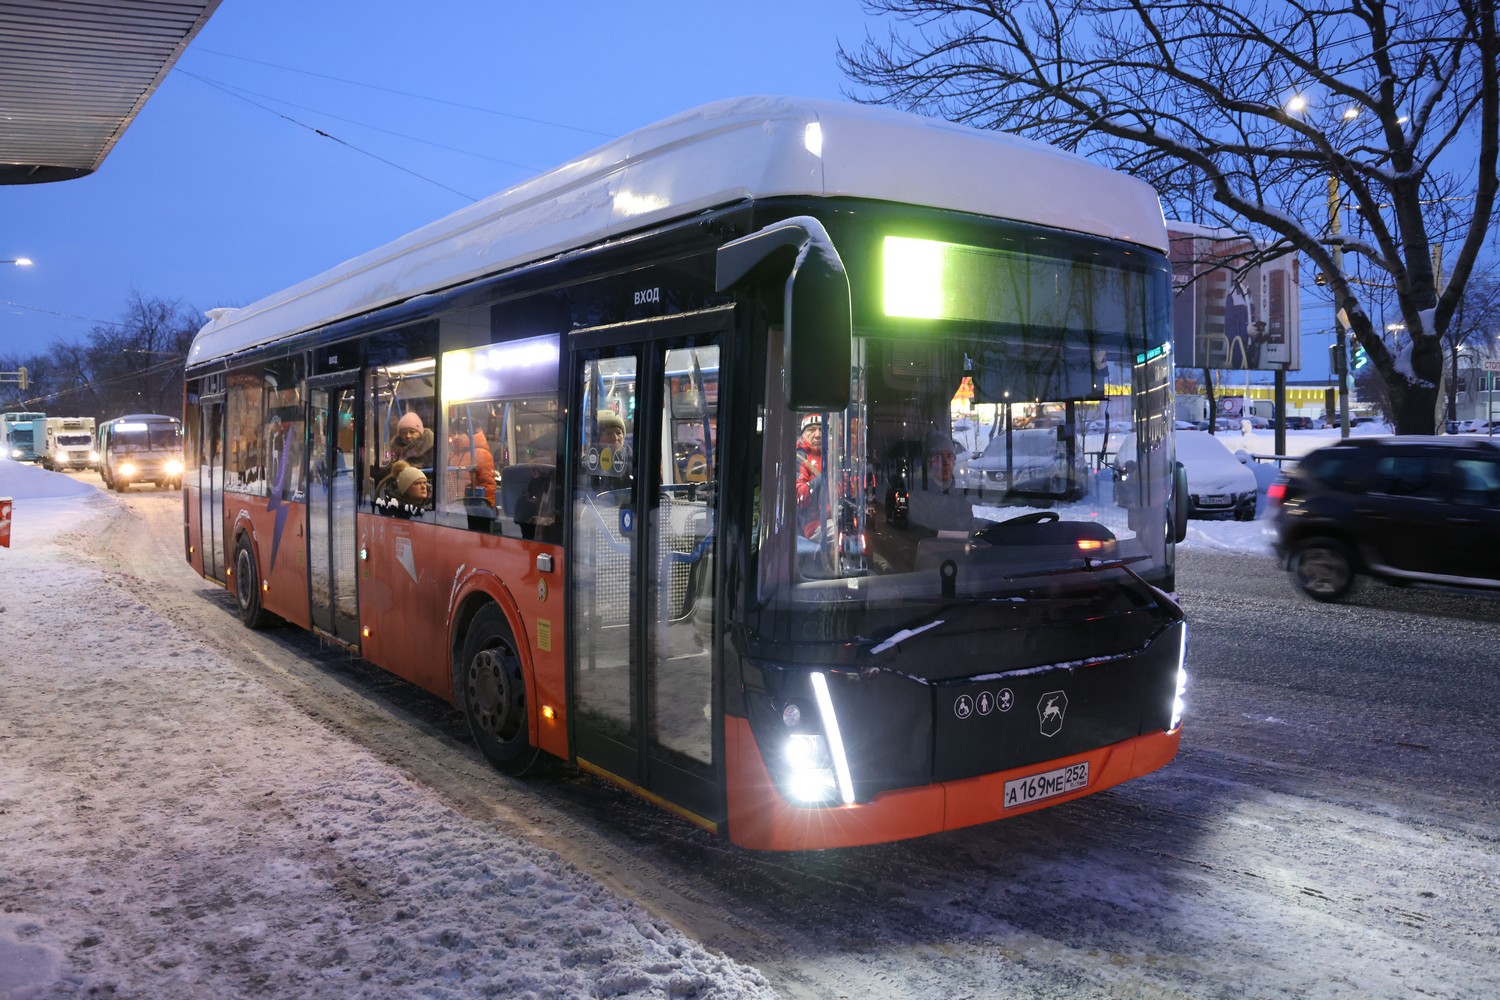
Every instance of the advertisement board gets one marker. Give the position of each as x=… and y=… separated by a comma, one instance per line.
x=1226, y=314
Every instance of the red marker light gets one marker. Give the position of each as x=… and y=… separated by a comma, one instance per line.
x=1276, y=492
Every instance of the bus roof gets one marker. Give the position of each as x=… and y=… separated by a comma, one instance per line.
x=715, y=155
x=141, y=418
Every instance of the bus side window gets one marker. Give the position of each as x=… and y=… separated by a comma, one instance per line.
x=402, y=408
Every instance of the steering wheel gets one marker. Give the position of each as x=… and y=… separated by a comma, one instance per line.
x=1035, y=517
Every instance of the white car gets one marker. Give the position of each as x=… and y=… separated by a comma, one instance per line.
x=1219, y=486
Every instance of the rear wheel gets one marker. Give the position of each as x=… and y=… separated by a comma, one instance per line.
x=490, y=686
x=1323, y=569
x=247, y=588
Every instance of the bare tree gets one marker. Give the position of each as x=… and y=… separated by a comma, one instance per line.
x=1476, y=321
x=132, y=366
x=1295, y=114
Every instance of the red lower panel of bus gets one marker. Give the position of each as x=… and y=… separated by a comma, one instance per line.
x=760, y=818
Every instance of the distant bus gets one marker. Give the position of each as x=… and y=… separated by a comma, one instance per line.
x=18, y=434
x=140, y=448
x=600, y=459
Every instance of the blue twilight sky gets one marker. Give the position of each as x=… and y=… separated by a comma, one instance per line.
x=221, y=192
x=213, y=200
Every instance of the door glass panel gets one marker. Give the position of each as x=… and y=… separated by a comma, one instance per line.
x=331, y=511
x=211, y=489
x=319, y=503
x=343, y=505
x=604, y=539
x=681, y=568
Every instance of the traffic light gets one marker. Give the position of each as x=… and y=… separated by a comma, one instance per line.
x=1360, y=357
x=22, y=373
x=1338, y=361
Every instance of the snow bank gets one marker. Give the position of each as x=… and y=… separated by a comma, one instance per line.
x=170, y=827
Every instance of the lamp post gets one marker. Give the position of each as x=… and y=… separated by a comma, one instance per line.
x=1335, y=229
x=18, y=261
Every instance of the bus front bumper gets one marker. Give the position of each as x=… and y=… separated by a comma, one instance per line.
x=760, y=818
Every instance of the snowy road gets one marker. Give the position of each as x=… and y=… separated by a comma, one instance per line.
x=190, y=809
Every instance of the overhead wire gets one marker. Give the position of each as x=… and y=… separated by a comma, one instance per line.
x=327, y=135
x=351, y=121
x=407, y=93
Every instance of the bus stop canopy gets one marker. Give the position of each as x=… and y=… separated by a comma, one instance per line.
x=75, y=73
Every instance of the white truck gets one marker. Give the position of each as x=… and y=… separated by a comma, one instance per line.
x=67, y=443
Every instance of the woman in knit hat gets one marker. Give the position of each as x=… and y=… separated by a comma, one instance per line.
x=413, y=442
x=404, y=492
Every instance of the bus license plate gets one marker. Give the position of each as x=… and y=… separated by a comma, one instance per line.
x=1036, y=787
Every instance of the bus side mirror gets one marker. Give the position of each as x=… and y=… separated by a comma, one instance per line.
x=818, y=319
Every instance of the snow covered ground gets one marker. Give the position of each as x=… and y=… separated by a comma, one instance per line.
x=169, y=827
x=282, y=859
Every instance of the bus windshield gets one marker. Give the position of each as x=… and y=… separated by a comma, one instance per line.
x=980, y=453
x=134, y=437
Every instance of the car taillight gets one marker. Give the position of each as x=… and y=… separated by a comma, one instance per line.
x=1276, y=492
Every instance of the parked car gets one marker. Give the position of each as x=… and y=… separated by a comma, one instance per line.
x=1218, y=484
x=1302, y=424
x=1412, y=511
x=1032, y=461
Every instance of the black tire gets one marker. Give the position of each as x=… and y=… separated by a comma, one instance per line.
x=489, y=687
x=247, y=588
x=1323, y=569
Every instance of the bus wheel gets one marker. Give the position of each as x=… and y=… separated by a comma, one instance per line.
x=247, y=588
x=491, y=691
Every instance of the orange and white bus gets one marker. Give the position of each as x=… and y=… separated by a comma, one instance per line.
x=609, y=460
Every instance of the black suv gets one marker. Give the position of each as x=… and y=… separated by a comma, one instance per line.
x=1406, y=510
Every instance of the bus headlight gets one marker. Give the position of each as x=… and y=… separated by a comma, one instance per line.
x=174, y=467
x=1179, y=697
x=806, y=751
x=810, y=777
x=127, y=469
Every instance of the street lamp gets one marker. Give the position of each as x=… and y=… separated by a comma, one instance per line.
x=18, y=261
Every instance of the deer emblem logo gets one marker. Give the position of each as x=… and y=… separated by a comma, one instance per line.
x=1050, y=710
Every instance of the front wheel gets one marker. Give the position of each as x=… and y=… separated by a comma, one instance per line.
x=247, y=588
x=490, y=688
x=1323, y=569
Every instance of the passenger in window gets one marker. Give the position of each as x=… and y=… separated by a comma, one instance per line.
x=611, y=430
x=413, y=442
x=404, y=492
x=472, y=457
x=613, y=456
x=813, y=516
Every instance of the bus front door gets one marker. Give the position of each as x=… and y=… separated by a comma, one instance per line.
x=331, y=505
x=644, y=518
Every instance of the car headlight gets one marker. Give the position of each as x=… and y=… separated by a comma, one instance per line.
x=93, y=456
x=174, y=468
x=1179, y=698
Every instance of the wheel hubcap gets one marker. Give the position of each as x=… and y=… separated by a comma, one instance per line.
x=1321, y=571
x=496, y=694
x=244, y=573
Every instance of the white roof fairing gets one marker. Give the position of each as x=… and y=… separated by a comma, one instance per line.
x=714, y=155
